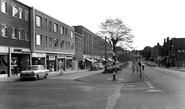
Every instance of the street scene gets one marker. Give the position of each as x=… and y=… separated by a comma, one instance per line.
x=95, y=54
x=157, y=88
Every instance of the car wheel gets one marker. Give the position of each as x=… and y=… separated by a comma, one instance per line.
x=45, y=77
x=37, y=77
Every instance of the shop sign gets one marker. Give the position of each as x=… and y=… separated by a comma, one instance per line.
x=4, y=49
x=17, y=50
x=51, y=57
x=38, y=55
x=69, y=56
x=61, y=56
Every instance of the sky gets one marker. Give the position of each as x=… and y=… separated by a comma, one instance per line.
x=151, y=21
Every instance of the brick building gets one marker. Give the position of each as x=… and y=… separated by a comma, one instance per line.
x=14, y=36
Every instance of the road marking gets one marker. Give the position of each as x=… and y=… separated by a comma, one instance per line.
x=111, y=101
x=28, y=88
x=151, y=90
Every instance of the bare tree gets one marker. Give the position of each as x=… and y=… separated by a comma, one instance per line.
x=117, y=33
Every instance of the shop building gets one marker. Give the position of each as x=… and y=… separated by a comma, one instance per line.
x=52, y=43
x=14, y=37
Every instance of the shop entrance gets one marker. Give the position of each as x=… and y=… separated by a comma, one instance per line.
x=19, y=62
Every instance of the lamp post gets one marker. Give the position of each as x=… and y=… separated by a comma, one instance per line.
x=105, y=70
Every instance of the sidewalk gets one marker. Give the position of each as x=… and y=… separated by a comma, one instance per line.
x=123, y=76
x=5, y=78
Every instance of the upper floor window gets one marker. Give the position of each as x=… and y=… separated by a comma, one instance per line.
x=66, y=45
x=56, y=42
x=69, y=45
x=62, y=44
x=3, y=6
x=26, y=15
x=66, y=31
x=55, y=27
x=38, y=21
x=61, y=30
x=38, y=39
x=26, y=35
x=14, y=11
x=45, y=40
x=45, y=23
x=4, y=31
x=50, y=25
x=14, y=33
x=20, y=13
x=71, y=34
x=72, y=46
x=50, y=41
x=21, y=34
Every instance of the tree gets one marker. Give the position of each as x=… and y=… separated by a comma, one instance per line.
x=117, y=33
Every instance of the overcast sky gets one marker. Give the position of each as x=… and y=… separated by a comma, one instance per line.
x=150, y=20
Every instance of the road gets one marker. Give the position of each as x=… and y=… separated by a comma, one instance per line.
x=163, y=89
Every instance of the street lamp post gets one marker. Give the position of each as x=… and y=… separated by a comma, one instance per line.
x=105, y=70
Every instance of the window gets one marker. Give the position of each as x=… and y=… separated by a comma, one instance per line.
x=62, y=44
x=38, y=21
x=50, y=42
x=4, y=31
x=26, y=15
x=66, y=31
x=66, y=45
x=21, y=34
x=26, y=35
x=72, y=46
x=50, y=26
x=45, y=23
x=61, y=30
x=69, y=45
x=71, y=34
x=55, y=27
x=14, y=33
x=56, y=42
x=14, y=11
x=20, y=13
x=3, y=6
x=38, y=39
x=45, y=40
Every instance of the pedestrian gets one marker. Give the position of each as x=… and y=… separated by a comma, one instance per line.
x=133, y=67
x=143, y=66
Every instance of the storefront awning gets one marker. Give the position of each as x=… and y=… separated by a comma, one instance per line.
x=91, y=60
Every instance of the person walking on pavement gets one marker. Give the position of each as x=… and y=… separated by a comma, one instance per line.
x=143, y=66
x=133, y=67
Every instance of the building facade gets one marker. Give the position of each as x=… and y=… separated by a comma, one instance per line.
x=14, y=36
x=52, y=42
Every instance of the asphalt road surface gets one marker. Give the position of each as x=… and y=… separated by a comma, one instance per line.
x=163, y=89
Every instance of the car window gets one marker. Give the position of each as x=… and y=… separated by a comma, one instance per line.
x=33, y=68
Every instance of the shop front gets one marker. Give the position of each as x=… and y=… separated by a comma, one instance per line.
x=61, y=62
x=69, y=62
x=51, y=62
x=3, y=60
x=20, y=59
x=39, y=59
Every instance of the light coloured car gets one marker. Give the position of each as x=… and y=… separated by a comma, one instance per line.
x=34, y=71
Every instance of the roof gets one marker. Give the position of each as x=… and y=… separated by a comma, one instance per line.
x=178, y=43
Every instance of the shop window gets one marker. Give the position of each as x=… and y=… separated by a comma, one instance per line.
x=38, y=39
x=4, y=31
x=26, y=15
x=14, y=33
x=3, y=6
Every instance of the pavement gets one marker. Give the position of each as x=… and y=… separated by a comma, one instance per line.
x=5, y=78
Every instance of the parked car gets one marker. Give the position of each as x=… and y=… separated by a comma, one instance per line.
x=94, y=66
x=152, y=64
x=100, y=66
x=34, y=71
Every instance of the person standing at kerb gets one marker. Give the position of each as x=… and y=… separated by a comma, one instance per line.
x=133, y=67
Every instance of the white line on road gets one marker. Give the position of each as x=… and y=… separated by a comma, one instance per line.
x=111, y=101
